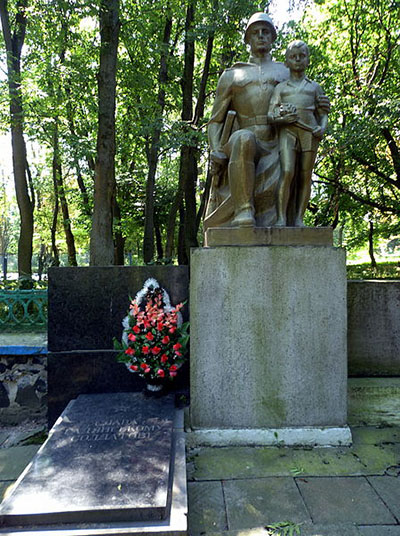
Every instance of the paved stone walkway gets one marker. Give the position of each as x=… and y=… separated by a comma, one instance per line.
x=238, y=491
x=322, y=491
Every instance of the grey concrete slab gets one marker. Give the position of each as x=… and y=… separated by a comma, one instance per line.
x=245, y=462
x=306, y=529
x=374, y=401
x=206, y=507
x=381, y=530
x=23, y=339
x=14, y=460
x=342, y=529
x=251, y=503
x=3, y=437
x=378, y=458
x=375, y=435
x=388, y=488
x=343, y=500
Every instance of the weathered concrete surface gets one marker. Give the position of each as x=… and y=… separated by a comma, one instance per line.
x=374, y=328
x=14, y=460
x=336, y=500
x=374, y=401
x=268, y=337
x=241, y=489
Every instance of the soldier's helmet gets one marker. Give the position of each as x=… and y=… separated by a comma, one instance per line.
x=260, y=17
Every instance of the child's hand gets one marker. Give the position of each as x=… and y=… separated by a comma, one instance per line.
x=318, y=132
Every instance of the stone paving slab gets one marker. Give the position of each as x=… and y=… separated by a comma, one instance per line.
x=378, y=458
x=206, y=507
x=23, y=339
x=382, y=530
x=244, y=462
x=306, y=529
x=343, y=499
x=14, y=460
x=250, y=503
x=373, y=435
x=388, y=488
x=343, y=529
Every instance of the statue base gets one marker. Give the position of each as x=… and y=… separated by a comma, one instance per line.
x=268, y=340
x=330, y=436
x=268, y=236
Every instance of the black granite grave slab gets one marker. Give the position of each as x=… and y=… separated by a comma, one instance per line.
x=87, y=304
x=106, y=460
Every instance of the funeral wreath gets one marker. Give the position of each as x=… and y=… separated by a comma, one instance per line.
x=155, y=339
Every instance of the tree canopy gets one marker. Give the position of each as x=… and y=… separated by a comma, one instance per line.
x=169, y=57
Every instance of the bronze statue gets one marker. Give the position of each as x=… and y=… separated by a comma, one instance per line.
x=243, y=135
x=298, y=140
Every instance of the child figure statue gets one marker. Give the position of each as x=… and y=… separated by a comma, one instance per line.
x=294, y=106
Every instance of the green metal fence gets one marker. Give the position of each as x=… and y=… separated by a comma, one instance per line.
x=23, y=310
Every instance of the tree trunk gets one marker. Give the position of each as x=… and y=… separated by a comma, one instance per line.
x=101, y=239
x=14, y=42
x=198, y=116
x=53, y=229
x=119, y=240
x=153, y=149
x=188, y=162
x=371, y=243
x=169, y=248
x=82, y=187
x=157, y=231
x=182, y=252
x=60, y=193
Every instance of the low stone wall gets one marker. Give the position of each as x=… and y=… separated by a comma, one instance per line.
x=23, y=383
x=373, y=328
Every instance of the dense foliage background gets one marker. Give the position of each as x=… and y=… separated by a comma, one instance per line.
x=170, y=55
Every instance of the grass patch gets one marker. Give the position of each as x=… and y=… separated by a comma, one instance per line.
x=383, y=270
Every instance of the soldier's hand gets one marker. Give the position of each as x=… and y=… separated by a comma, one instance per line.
x=287, y=119
x=318, y=132
x=324, y=103
x=218, y=161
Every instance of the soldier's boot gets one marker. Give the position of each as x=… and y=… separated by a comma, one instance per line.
x=241, y=182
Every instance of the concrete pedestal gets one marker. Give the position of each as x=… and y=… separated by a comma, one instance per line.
x=268, y=344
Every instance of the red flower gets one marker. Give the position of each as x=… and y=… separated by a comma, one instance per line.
x=164, y=358
x=160, y=373
x=144, y=365
x=177, y=346
x=165, y=340
x=160, y=326
x=147, y=324
x=129, y=351
x=156, y=350
x=177, y=353
x=172, y=330
x=149, y=336
x=136, y=329
x=147, y=370
x=173, y=368
x=145, y=349
x=173, y=373
x=134, y=367
x=132, y=337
